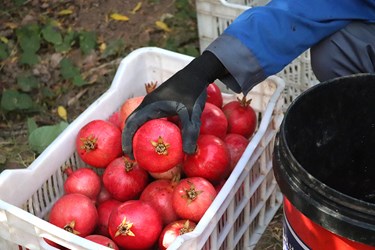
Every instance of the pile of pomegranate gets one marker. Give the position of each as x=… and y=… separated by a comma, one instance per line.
x=147, y=202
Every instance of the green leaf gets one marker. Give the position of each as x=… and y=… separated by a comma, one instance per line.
x=47, y=92
x=29, y=57
x=52, y=35
x=114, y=47
x=4, y=52
x=189, y=50
x=67, y=69
x=78, y=81
x=27, y=83
x=87, y=41
x=31, y=125
x=71, y=72
x=19, y=2
x=41, y=137
x=67, y=43
x=29, y=37
x=13, y=100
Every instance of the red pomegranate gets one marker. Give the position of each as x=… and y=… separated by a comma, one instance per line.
x=75, y=213
x=210, y=161
x=124, y=179
x=241, y=117
x=135, y=225
x=98, y=143
x=213, y=121
x=214, y=95
x=159, y=194
x=173, y=230
x=132, y=103
x=157, y=146
x=192, y=197
x=236, y=145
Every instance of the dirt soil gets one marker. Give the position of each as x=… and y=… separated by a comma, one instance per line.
x=179, y=34
x=89, y=15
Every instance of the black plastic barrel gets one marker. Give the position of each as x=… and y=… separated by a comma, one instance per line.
x=324, y=163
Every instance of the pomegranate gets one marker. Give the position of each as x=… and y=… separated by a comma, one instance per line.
x=173, y=230
x=236, y=145
x=213, y=121
x=157, y=146
x=84, y=181
x=214, y=95
x=75, y=213
x=210, y=161
x=241, y=117
x=104, y=211
x=102, y=240
x=103, y=195
x=192, y=197
x=98, y=143
x=124, y=179
x=115, y=119
x=131, y=229
x=159, y=194
x=170, y=174
x=132, y=103
x=219, y=186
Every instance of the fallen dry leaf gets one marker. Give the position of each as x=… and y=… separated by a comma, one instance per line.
x=163, y=26
x=4, y=39
x=63, y=114
x=65, y=12
x=137, y=8
x=11, y=25
x=119, y=17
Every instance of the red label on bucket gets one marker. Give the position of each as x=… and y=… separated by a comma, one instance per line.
x=302, y=233
x=291, y=241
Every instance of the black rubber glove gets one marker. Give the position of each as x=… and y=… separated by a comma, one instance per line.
x=184, y=94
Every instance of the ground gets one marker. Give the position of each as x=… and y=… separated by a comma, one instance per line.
x=97, y=67
x=119, y=27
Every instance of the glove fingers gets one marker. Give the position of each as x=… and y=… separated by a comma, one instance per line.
x=191, y=125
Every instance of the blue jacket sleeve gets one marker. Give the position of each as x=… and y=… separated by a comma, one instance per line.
x=263, y=40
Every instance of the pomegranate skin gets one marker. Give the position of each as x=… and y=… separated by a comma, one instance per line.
x=75, y=213
x=157, y=146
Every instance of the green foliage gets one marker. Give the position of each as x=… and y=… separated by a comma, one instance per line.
x=29, y=58
x=87, y=41
x=41, y=137
x=70, y=72
x=14, y=100
x=31, y=125
x=52, y=35
x=29, y=39
x=114, y=48
x=19, y=2
x=68, y=41
x=4, y=51
x=184, y=10
x=27, y=82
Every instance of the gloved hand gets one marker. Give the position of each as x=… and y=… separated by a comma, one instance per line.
x=184, y=94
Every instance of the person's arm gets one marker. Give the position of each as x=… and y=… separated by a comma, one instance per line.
x=259, y=43
x=263, y=40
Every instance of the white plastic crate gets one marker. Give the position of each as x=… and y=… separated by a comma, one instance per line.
x=236, y=219
x=214, y=16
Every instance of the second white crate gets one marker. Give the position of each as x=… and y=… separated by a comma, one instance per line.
x=214, y=16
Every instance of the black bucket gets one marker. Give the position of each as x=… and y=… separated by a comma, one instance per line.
x=324, y=163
